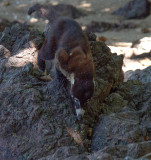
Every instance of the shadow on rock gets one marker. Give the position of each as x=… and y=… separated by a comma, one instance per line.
x=37, y=119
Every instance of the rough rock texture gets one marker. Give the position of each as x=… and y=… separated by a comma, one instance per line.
x=126, y=133
x=141, y=75
x=96, y=26
x=134, y=9
x=36, y=117
x=3, y=24
x=133, y=151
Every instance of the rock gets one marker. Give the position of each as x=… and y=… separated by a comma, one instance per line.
x=114, y=103
x=18, y=37
x=128, y=129
x=142, y=75
x=100, y=156
x=107, y=65
x=68, y=154
x=4, y=52
x=142, y=48
x=131, y=91
x=3, y=23
x=96, y=26
x=118, y=129
x=36, y=117
x=130, y=151
x=134, y=9
x=91, y=36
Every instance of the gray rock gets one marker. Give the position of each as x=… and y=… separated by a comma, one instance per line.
x=141, y=75
x=134, y=9
x=95, y=26
x=118, y=129
x=36, y=117
x=127, y=131
x=37, y=120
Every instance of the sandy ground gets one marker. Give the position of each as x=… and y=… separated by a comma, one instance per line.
x=119, y=41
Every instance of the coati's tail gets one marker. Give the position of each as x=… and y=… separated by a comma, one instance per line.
x=46, y=12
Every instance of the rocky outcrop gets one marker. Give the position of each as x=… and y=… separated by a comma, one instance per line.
x=96, y=26
x=140, y=75
x=134, y=9
x=125, y=133
x=37, y=118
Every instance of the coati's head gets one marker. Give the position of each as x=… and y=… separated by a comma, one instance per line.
x=80, y=66
x=83, y=89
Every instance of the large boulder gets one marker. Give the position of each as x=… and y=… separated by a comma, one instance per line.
x=36, y=117
x=141, y=75
x=134, y=9
x=126, y=133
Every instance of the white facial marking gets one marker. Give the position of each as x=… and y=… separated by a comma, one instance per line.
x=94, y=82
x=72, y=79
x=80, y=111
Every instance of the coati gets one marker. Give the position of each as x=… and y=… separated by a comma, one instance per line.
x=66, y=44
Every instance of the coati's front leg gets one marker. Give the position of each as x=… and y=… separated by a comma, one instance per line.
x=64, y=82
x=41, y=64
x=46, y=53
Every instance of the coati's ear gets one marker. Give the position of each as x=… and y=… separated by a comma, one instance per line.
x=62, y=56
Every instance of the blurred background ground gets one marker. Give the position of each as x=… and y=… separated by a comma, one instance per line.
x=120, y=40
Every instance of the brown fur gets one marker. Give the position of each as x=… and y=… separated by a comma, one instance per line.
x=67, y=45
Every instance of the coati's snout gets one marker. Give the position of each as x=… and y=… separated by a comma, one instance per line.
x=82, y=90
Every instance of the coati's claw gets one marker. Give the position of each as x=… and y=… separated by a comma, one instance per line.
x=79, y=113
